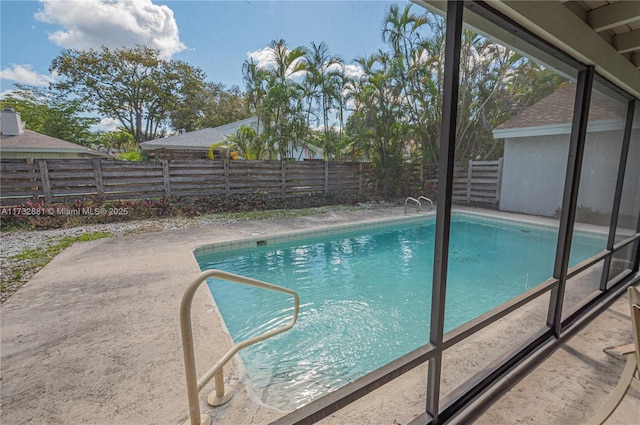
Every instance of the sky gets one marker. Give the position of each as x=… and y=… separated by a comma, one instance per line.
x=216, y=36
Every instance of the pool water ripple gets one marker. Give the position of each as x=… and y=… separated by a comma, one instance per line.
x=365, y=296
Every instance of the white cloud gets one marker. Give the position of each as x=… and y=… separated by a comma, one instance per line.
x=112, y=23
x=107, y=124
x=353, y=71
x=263, y=58
x=24, y=74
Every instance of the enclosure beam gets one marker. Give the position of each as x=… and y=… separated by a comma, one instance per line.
x=617, y=197
x=455, y=11
x=570, y=197
x=636, y=262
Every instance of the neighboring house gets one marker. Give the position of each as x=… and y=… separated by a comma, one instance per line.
x=18, y=143
x=536, y=146
x=196, y=144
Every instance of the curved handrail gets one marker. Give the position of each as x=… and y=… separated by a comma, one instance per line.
x=428, y=200
x=418, y=204
x=193, y=384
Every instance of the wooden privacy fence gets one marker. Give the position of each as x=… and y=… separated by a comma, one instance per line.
x=478, y=183
x=63, y=180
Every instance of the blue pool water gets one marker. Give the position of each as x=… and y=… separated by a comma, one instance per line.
x=365, y=296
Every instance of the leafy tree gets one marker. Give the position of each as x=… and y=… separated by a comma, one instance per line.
x=396, y=113
x=50, y=112
x=497, y=83
x=394, y=107
x=119, y=140
x=213, y=106
x=133, y=86
x=223, y=106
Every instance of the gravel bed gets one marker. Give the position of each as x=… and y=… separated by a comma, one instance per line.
x=16, y=272
x=14, y=242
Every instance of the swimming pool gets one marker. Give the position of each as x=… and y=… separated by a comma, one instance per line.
x=365, y=295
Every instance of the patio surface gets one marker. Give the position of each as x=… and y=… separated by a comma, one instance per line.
x=94, y=338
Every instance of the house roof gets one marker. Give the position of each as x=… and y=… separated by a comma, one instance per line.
x=554, y=114
x=200, y=139
x=557, y=108
x=31, y=141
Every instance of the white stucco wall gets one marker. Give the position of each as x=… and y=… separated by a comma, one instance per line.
x=534, y=171
x=533, y=174
x=600, y=170
x=630, y=204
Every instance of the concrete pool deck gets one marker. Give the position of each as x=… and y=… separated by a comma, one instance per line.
x=94, y=338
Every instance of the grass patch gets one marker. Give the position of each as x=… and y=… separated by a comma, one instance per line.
x=31, y=260
x=44, y=254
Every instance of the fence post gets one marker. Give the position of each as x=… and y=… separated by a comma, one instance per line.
x=283, y=166
x=469, y=176
x=326, y=177
x=34, y=186
x=499, y=182
x=360, y=179
x=227, y=185
x=166, y=178
x=46, y=184
x=97, y=174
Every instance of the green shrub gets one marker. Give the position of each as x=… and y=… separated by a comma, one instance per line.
x=132, y=156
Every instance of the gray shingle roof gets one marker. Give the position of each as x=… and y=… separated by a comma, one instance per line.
x=557, y=108
x=200, y=139
x=30, y=141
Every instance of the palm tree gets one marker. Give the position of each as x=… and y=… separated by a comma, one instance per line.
x=255, y=81
x=284, y=97
x=246, y=142
x=402, y=31
x=343, y=84
x=410, y=52
x=323, y=84
x=377, y=123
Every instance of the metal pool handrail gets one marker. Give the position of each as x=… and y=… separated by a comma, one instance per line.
x=428, y=200
x=193, y=384
x=418, y=203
